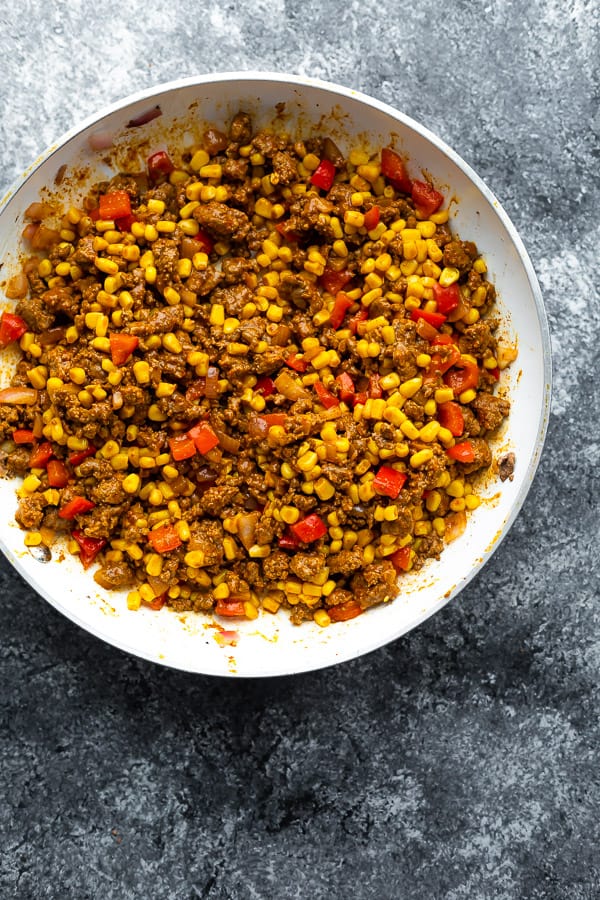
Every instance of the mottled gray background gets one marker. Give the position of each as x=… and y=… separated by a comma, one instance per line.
x=461, y=762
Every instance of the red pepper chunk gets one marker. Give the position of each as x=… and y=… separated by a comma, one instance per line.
x=75, y=507
x=79, y=457
x=287, y=233
x=401, y=559
x=432, y=318
x=230, y=608
x=323, y=175
x=297, y=363
x=89, y=548
x=122, y=346
x=394, y=169
x=446, y=298
x=40, y=455
x=288, y=541
x=23, y=436
x=12, y=327
x=124, y=223
x=58, y=476
x=205, y=241
x=309, y=529
x=463, y=375
x=182, y=447
x=361, y=316
x=203, y=437
x=426, y=199
x=159, y=165
x=115, y=205
x=264, y=385
x=272, y=419
x=164, y=539
x=389, y=481
x=372, y=217
x=326, y=398
x=345, y=611
x=341, y=306
x=345, y=386
x=333, y=281
x=450, y=416
x=462, y=452
x=157, y=602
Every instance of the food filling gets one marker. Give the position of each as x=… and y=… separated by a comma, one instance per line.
x=258, y=375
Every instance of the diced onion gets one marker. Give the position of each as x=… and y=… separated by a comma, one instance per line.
x=246, y=529
x=145, y=117
x=17, y=287
x=290, y=387
x=101, y=140
x=455, y=525
x=37, y=211
x=227, y=443
x=14, y=395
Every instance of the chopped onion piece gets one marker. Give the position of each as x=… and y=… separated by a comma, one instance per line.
x=290, y=387
x=14, y=395
x=101, y=140
x=145, y=117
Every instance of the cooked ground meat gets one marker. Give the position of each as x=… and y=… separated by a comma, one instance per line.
x=243, y=403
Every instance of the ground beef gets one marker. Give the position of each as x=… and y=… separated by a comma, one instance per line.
x=307, y=565
x=222, y=221
x=490, y=410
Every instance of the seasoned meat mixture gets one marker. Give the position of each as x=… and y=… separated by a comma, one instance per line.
x=255, y=376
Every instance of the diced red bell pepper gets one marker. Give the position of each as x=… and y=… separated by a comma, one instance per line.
x=495, y=372
x=40, y=455
x=288, y=541
x=164, y=538
x=122, y=346
x=400, y=559
x=159, y=165
x=203, y=437
x=450, y=416
x=76, y=458
x=309, y=529
x=345, y=611
x=442, y=361
x=157, y=602
x=114, y=205
x=462, y=452
x=361, y=316
x=394, y=169
x=463, y=375
x=360, y=397
x=206, y=242
x=94, y=214
x=334, y=281
x=182, y=446
x=23, y=436
x=75, y=507
x=341, y=306
x=432, y=318
x=264, y=385
x=12, y=327
x=287, y=233
x=297, y=363
x=323, y=175
x=426, y=199
x=274, y=419
x=326, y=398
x=58, y=475
x=345, y=386
x=230, y=608
x=372, y=217
x=389, y=481
x=89, y=548
x=446, y=298
x=124, y=223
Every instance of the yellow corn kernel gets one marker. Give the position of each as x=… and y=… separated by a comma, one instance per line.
x=443, y=395
x=448, y=276
x=194, y=559
x=472, y=501
x=108, y=266
x=141, y=372
x=456, y=488
x=410, y=387
x=467, y=396
x=217, y=314
x=38, y=377
x=259, y=551
x=321, y=618
x=134, y=600
x=30, y=484
x=429, y=431
x=409, y=430
x=421, y=457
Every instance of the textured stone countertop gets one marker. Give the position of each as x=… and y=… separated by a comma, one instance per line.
x=459, y=762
